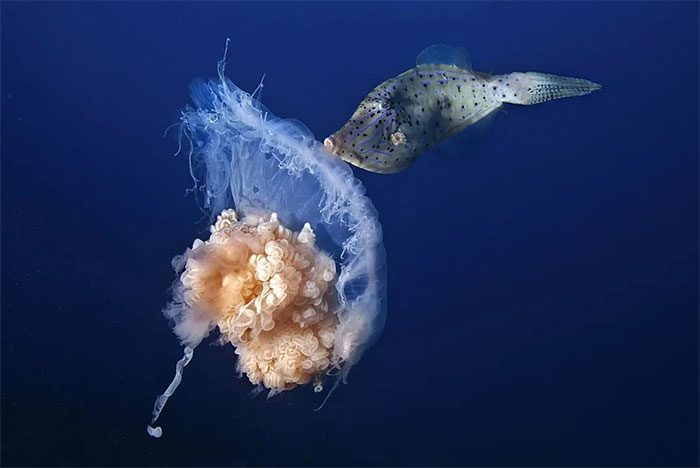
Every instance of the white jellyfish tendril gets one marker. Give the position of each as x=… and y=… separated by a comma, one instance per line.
x=293, y=272
x=163, y=399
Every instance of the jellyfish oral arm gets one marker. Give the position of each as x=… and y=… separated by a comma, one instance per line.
x=163, y=399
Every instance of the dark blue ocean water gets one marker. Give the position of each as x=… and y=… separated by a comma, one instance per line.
x=543, y=288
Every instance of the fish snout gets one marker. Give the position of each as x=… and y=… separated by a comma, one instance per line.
x=330, y=145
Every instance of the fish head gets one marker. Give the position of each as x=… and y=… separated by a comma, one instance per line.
x=371, y=139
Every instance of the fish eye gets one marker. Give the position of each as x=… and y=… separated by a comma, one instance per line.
x=384, y=104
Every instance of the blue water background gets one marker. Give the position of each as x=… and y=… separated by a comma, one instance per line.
x=543, y=289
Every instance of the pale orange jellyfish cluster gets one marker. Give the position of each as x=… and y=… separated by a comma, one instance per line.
x=270, y=290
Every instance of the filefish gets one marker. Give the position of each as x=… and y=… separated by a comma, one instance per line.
x=409, y=114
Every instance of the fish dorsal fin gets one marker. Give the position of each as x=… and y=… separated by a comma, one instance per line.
x=445, y=55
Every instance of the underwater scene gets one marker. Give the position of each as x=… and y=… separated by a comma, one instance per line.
x=349, y=233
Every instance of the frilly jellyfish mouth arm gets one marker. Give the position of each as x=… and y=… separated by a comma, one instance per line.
x=163, y=399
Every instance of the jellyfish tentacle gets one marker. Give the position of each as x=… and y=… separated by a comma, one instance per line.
x=163, y=399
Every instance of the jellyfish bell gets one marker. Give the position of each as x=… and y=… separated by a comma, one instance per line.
x=292, y=274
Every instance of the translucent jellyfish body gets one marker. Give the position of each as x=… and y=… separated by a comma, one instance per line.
x=293, y=272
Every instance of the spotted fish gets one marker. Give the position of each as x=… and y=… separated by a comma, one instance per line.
x=408, y=115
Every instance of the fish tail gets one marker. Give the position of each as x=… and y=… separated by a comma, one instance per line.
x=534, y=88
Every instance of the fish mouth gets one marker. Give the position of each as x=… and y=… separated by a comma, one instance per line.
x=346, y=155
x=330, y=145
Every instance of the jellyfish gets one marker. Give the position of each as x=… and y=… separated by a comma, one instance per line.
x=292, y=274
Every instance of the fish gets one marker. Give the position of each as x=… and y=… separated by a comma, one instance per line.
x=441, y=96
